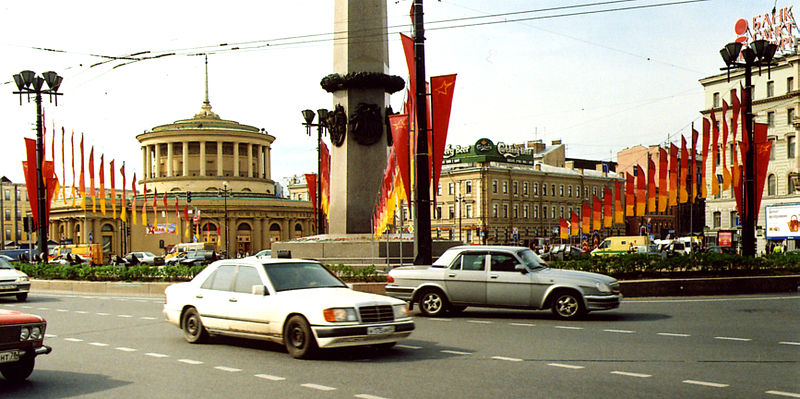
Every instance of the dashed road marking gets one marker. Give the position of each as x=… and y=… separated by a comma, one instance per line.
x=62, y=310
x=733, y=339
x=569, y=328
x=270, y=377
x=789, y=343
x=43, y=308
x=479, y=321
x=50, y=336
x=673, y=334
x=157, y=355
x=73, y=339
x=456, y=352
x=366, y=396
x=786, y=394
x=147, y=318
x=103, y=314
x=566, y=366
x=97, y=344
x=508, y=359
x=440, y=319
x=81, y=312
x=620, y=331
x=126, y=316
x=408, y=346
x=629, y=374
x=228, y=369
x=190, y=361
x=705, y=383
x=318, y=387
x=522, y=324
x=125, y=349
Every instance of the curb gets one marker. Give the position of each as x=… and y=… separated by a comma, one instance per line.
x=629, y=289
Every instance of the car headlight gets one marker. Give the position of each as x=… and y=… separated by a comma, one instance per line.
x=24, y=334
x=400, y=311
x=36, y=333
x=603, y=287
x=339, y=314
x=23, y=278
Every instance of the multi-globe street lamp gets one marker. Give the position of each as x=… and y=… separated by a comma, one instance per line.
x=308, y=116
x=29, y=83
x=758, y=54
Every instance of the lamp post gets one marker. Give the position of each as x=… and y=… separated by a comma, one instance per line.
x=308, y=115
x=458, y=204
x=759, y=54
x=225, y=191
x=28, y=82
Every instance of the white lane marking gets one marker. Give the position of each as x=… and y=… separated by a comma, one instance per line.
x=50, y=336
x=508, y=359
x=786, y=394
x=440, y=319
x=522, y=324
x=158, y=355
x=566, y=366
x=43, y=308
x=733, y=339
x=62, y=310
x=456, y=352
x=228, y=369
x=147, y=318
x=73, y=339
x=27, y=306
x=270, y=377
x=706, y=383
x=102, y=314
x=789, y=343
x=620, y=331
x=569, y=328
x=318, y=387
x=81, y=312
x=190, y=361
x=674, y=335
x=97, y=344
x=409, y=346
x=628, y=374
x=713, y=299
x=125, y=349
x=127, y=316
x=479, y=321
x=365, y=396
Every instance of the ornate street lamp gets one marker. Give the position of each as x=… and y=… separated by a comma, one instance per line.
x=759, y=53
x=308, y=116
x=29, y=83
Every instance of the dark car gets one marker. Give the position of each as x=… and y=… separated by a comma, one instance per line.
x=194, y=258
x=720, y=250
x=21, y=340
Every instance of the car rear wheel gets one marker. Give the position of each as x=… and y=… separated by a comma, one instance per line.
x=193, y=330
x=568, y=305
x=18, y=371
x=299, y=339
x=432, y=303
x=22, y=297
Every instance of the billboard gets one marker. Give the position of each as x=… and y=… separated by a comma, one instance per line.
x=783, y=221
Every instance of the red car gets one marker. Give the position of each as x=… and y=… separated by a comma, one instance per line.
x=21, y=340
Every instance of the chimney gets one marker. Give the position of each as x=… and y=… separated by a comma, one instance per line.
x=557, y=142
x=569, y=164
x=538, y=166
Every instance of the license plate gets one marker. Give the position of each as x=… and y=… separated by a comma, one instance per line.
x=6, y=357
x=380, y=330
x=8, y=286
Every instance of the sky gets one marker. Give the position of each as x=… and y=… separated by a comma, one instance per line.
x=599, y=78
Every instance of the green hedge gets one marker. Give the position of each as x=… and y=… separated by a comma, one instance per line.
x=711, y=264
x=110, y=273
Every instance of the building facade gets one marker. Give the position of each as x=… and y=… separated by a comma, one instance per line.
x=14, y=208
x=776, y=102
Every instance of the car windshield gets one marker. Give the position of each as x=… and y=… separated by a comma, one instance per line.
x=530, y=259
x=298, y=276
x=4, y=264
x=149, y=254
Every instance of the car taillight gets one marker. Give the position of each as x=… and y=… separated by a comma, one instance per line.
x=389, y=279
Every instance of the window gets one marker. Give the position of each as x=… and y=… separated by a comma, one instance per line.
x=535, y=188
x=505, y=210
x=553, y=190
x=536, y=211
x=438, y=214
x=789, y=116
x=468, y=187
x=585, y=191
x=505, y=187
x=544, y=212
x=562, y=211
x=791, y=145
x=439, y=189
x=525, y=188
x=719, y=156
x=246, y=278
x=544, y=189
x=594, y=190
x=451, y=188
x=771, y=119
x=515, y=187
x=8, y=214
x=451, y=212
x=561, y=190
x=717, y=219
x=772, y=149
x=221, y=279
x=789, y=84
x=516, y=211
x=468, y=211
x=772, y=184
x=553, y=212
x=494, y=186
x=569, y=191
x=733, y=217
x=7, y=194
x=525, y=211
x=474, y=262
x=503, y=262
x=715, y=103
x=770, y=88
x=790, y=186
x=494, y=210
x=577, y=191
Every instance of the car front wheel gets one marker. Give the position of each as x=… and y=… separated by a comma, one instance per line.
x=22, y=297
x=568, y=305
x=298, y=338
x=193, y=330
x=432, y=303
x=18, y=371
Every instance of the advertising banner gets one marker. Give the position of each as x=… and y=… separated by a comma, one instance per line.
x=161, y=228
x=783, y=221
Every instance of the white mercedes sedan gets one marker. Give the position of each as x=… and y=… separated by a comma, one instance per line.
x=295, y=302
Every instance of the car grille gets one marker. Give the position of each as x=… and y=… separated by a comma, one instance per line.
x=614, y=287
x=9, y=334
x=376, y=314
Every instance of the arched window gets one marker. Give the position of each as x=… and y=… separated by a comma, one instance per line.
x=107, y=228
x=244, y=227
x=298, y=230
x=772, y=185
x=790, y=185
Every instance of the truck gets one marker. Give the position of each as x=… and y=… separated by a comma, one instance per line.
x=621, y=245
x=92, y=253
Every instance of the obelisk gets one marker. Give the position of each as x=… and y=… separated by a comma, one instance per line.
x=360, y=85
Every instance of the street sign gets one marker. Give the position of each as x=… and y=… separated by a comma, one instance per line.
x=91, y=237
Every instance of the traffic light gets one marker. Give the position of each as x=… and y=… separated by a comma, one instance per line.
x=188, y=196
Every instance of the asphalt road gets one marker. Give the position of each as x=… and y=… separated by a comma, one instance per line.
x=704, y=347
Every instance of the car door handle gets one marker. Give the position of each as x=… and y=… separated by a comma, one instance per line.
x=232, y=300
x=451, y=275
x=494, y=275
x=198, y=296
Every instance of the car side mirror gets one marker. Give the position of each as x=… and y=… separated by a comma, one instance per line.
x=521, y=268
x=259, y=290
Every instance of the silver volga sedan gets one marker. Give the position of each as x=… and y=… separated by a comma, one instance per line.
x=501, y=276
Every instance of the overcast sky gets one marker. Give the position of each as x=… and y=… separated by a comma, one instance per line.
x=599, y=81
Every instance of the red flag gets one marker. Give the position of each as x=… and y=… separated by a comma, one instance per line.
x=123, y=205
x=673, y=174
x=92, y=192
x=641, y=191
x=618, y=211
x=597, y=213
x=763, y=149
x=82, y=179
x=442, y=88
x=325, y=170
x=714, y=152
x=726, y=174
x=651, y=185
x=586, y=215
x=563, y=228
x=682, y=192
x=693, y=172
x=177, y=218
x=144, y=203
x=31, y=179
x=101, y=175
x=311, y=183
x=164, y=201
x=186, y=213
x=63, y=170
x=703, y=182
x=113, y=189
x=399, y=127
x=72, y=148
x=735, y=170
x=133, y=199
x=574, y=224
x=663, y=163
x=743, y=113
x=607, y=213
x=630, y=197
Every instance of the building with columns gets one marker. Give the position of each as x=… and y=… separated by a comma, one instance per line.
x=217, y=171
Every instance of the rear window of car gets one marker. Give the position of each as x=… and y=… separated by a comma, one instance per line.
x=221, y=279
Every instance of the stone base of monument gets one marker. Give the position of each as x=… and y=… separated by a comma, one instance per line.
x=356, y=249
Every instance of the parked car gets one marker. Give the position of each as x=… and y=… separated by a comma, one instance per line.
x=193, y=257
x=8, y=258
x=720, y=250
x=562, y=252
x=21, y=340
x=295, y=302
x=145, y=258
x=13, y=281
x=501, y=276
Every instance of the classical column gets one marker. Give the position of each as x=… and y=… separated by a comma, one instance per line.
x=267, y=166
x=260, y=161
x=145, y=169
x=202, y=158
x=236, y=158
x=249, y=159
x=169, y=159
x=185, y=158
x=157, y=166
x=219, y=159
